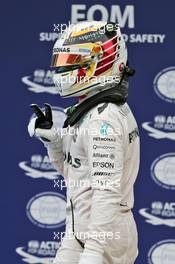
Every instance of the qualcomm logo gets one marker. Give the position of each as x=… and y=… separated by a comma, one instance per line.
x=162, y=252
x=162, y=171
x=163, y=127
x=160, y=214
x=38, y=252
x=164, y=84
x=47, y=210
x=39, y=167
x=40, y=82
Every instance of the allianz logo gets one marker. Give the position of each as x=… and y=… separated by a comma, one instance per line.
x=162, y=127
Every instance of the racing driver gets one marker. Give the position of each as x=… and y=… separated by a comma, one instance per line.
x=101, y=157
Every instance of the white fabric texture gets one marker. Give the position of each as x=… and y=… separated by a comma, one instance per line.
x=31, y=126
x=90, y=258
x=101, y=161
x=54, y=145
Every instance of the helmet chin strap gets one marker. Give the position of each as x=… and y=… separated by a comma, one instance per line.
x=116, y=94
x=82, y=98
x=127, y=72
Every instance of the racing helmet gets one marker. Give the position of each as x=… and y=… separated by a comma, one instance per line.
x=88, y=56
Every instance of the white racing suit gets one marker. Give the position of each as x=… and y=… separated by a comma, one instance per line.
x=100, y=161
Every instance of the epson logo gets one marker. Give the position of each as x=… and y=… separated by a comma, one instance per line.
x=114, y=14
x=55, y=50
x=103, y=165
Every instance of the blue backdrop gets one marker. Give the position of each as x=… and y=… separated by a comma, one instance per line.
x=32, y=204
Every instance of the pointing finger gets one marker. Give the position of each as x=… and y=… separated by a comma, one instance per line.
x=48, y=112
x=37, y=111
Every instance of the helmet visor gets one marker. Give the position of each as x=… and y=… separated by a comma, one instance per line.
x=64, y=59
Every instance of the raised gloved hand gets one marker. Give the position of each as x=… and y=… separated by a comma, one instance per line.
x=42, y=126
